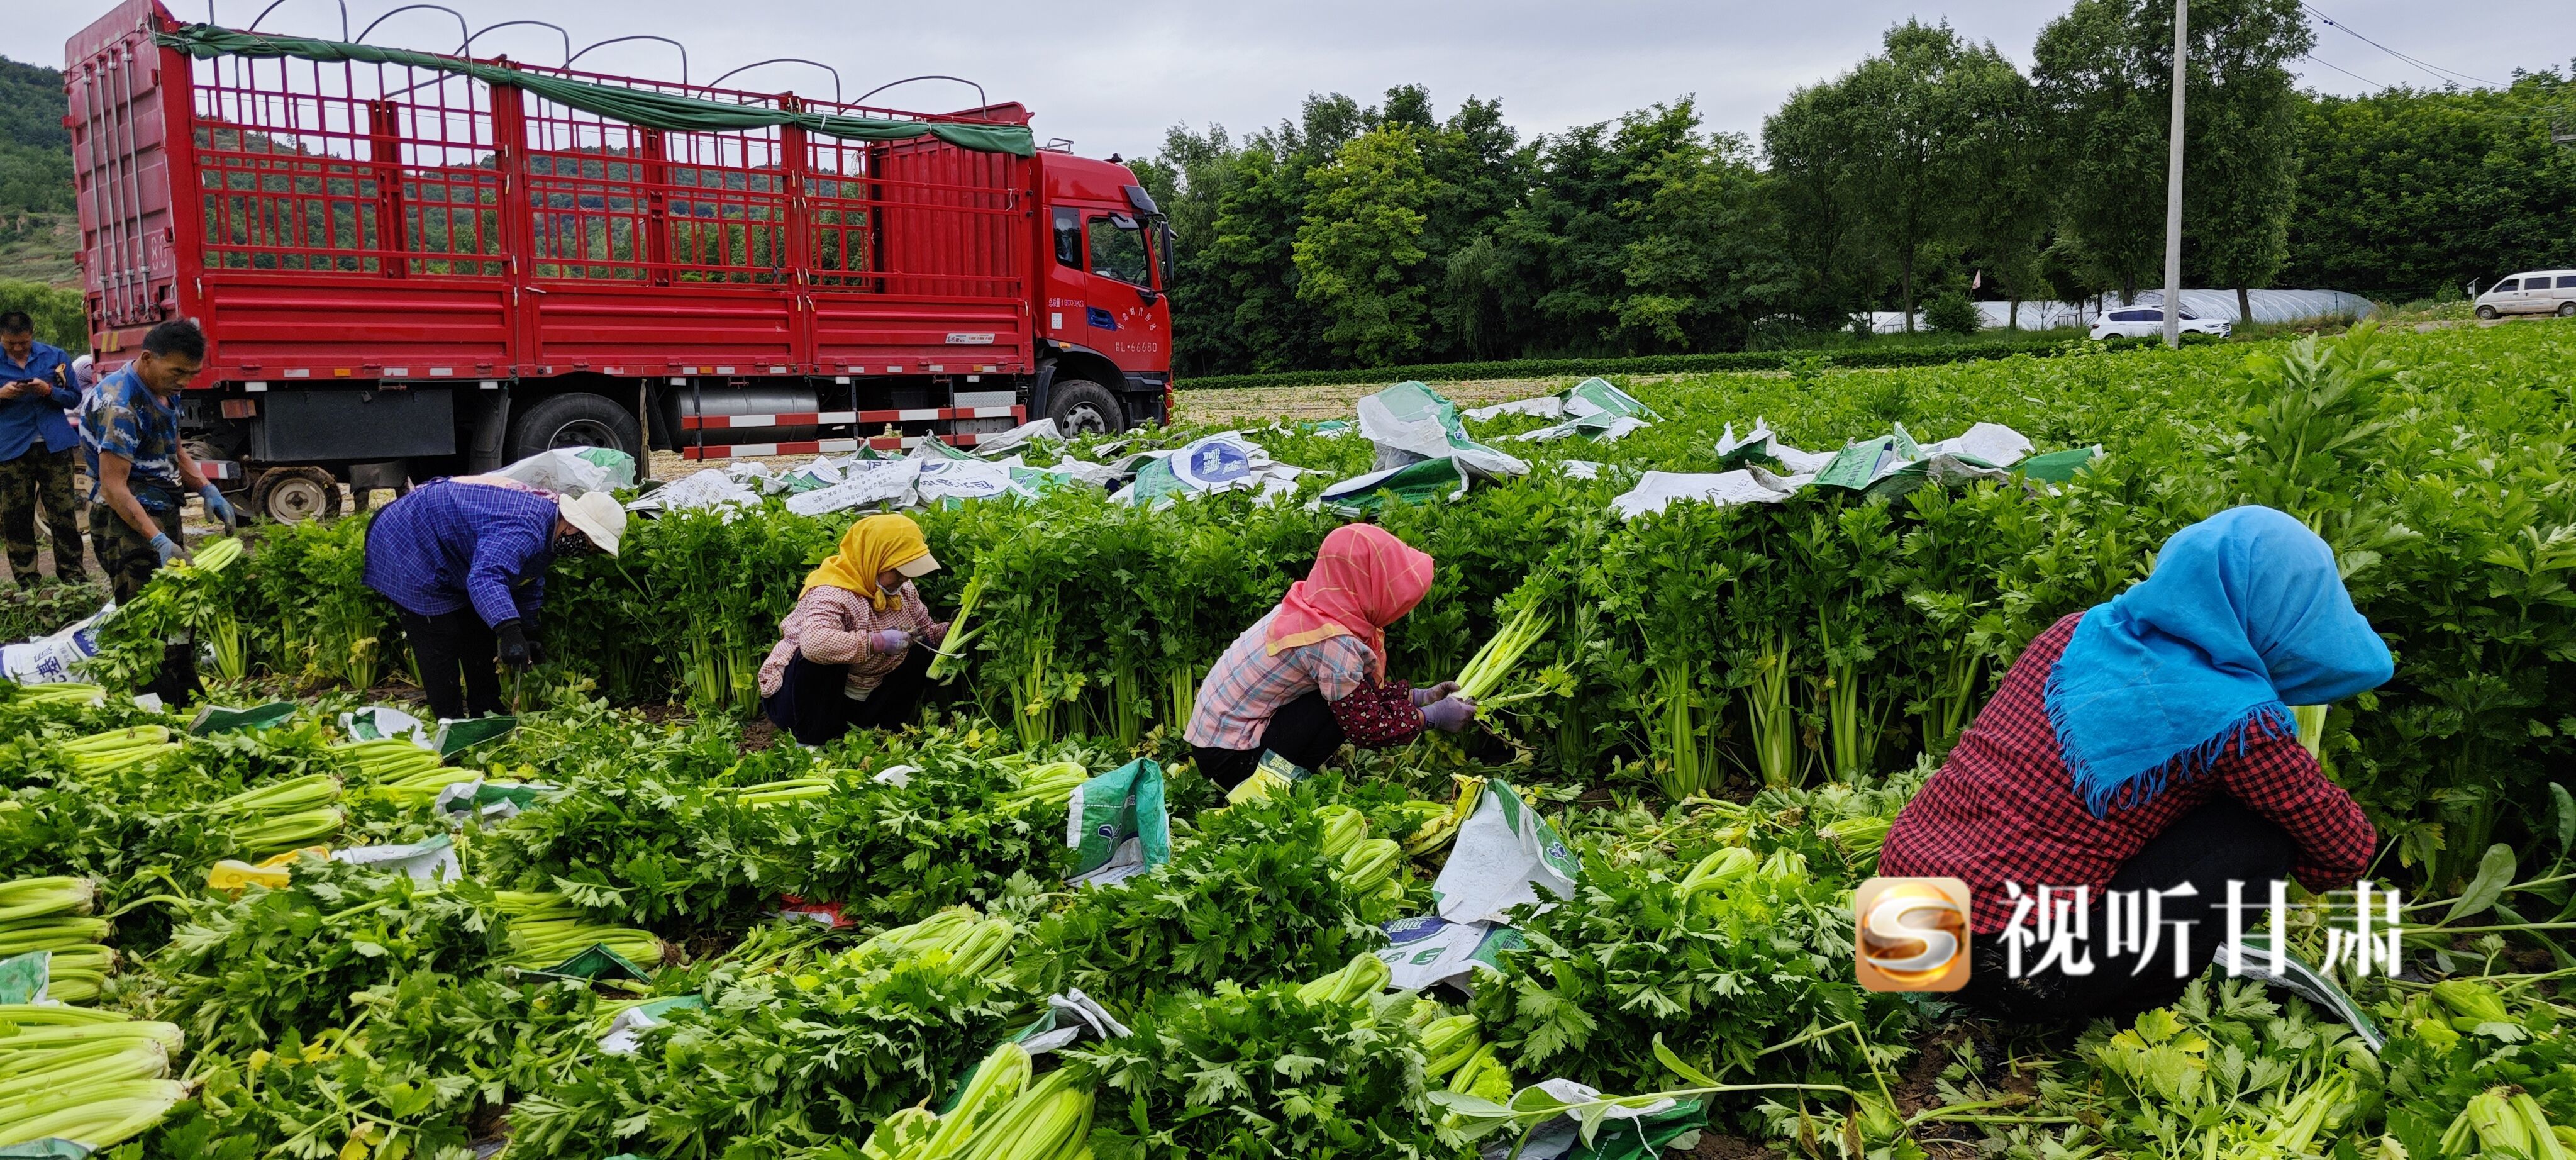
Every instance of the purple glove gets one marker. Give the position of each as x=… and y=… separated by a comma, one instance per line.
x=1449, y=714
x=889, y=641
x=1422, y=697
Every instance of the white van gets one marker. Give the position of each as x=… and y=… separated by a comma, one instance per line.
x=2538, y=292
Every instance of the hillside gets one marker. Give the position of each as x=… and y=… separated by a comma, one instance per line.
x=38, y=236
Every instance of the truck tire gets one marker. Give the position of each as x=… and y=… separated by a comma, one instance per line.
x=2486, y=313
x=292, y=495
x=575, y=419
x=1083, y=407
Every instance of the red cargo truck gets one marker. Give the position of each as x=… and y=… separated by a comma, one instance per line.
x=410, y=264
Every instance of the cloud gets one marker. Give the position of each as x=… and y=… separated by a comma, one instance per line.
x=1114, y=77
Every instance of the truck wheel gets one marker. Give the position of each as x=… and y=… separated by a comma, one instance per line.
x=2567, y=311
x=2486, y=314
x=576, y=419
x=292, y=495
x=1083, y=407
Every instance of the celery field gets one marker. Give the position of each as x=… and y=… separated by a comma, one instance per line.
x=1718, y=710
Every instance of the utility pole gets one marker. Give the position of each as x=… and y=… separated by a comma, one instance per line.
x=2173, y=183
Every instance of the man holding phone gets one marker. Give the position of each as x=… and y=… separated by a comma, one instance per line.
x=37, y=385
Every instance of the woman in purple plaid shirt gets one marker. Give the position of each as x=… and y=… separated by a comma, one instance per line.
x=1311, y=675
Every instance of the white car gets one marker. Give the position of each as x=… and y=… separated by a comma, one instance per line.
x=2149, y=322
x=2538, y=292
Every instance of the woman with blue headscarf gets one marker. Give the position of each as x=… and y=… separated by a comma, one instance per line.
x=2147, y=745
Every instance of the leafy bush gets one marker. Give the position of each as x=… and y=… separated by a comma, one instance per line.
x=31, y=612
x=1252, y=897
x=1258, y=1072
x=1862, y=355
x=240, y=972
x=1950, y=312
x=1721, y=974
x=653, y=839
x=775, y=1059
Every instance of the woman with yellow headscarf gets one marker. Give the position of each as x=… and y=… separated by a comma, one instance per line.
x=846, y=658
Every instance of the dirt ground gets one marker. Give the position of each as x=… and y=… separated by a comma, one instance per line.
x=1339, y=402
x=1716, y=1147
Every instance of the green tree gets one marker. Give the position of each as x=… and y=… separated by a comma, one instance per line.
x=1906, y=141
x=1565, y=253
x=1836, y=270
x=2240, y=175
x=2010, y=211
x=57, y=313
x=1950, y=312
x=2406, y=193
x=2104, y=72
x=1359, y=250
x=35, y=148
x=1190, y=180
x=1706, y=260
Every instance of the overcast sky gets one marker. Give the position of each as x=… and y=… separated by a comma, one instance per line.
x=1113, y=77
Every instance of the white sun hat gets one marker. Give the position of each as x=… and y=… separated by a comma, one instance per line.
x=598, y=515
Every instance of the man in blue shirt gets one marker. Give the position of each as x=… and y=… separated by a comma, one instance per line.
x=140, y=475
x=465, y=559
x=36, y=441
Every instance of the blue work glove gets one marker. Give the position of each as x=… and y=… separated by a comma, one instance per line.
x=1449, y=714
x=889, y=641
x=169, y=550
x=1422, y=697
x=217, y=507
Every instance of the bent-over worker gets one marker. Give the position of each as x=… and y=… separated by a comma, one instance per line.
x=1311, y=674
x=845, y=658
x=466, y=562
x=2145, y=744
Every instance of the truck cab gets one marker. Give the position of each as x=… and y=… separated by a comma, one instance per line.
x=1105, y=317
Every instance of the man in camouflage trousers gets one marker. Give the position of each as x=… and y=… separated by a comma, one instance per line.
x=36, y=441
x=141, y=475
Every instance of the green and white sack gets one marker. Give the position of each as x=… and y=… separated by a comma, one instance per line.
x=626, y=1031
x=1429, y=481
x=23, y=977
x=428, y=862
x=1410, y=422
x=1595, y=410
x=1503, y=857
x=1428, y=950
x=1117, y=826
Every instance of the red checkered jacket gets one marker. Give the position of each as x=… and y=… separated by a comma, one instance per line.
x=2003, y=806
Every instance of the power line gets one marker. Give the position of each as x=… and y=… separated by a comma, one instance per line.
x=2312, y=57
x=2435, y=71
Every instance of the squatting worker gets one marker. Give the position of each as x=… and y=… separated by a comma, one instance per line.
x=2147, y=743
x=845, y=658
x=466, y=562
x=1312, y=674
x=37, y=386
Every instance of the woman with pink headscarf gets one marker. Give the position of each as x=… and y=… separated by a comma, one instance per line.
x=1311, y=675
